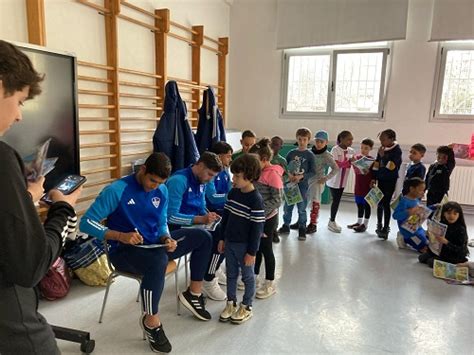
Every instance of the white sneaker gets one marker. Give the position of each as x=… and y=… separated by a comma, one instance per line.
x=221, y=277
x=229, y=310
x=268, y=289
x=401, y=241
x=212, y=290
x=240, y=285
x=243, y=314
x=334, y=227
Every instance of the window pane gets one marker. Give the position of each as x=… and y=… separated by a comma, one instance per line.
x=308, y=80
x=358, y=78
x=458, y=87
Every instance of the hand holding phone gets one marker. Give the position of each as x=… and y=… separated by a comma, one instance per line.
x=65, y=190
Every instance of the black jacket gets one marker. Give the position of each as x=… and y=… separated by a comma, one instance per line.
x=210, y=127
x=456, y=250
x=437, y=179
x=27, y=250
x=173, y=135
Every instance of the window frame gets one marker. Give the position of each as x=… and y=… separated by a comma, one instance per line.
x=443, y=49
x=333, y=52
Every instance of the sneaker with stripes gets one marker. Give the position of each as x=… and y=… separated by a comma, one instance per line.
x=195, y=304
x=157, y=339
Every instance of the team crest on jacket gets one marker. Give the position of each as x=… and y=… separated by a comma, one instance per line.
x=201, y=188
x=156, y=201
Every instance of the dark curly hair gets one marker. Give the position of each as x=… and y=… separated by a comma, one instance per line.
x=248, y=165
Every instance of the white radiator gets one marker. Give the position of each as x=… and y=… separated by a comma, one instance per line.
x=461, y=185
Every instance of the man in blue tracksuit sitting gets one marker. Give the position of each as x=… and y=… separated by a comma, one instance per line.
x=136, y=211
x=187, y=207
x=219, y=187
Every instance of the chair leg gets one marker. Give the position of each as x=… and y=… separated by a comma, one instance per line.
x=109, y=282
x=138, y=295
x=176, y=285
x=186, y=279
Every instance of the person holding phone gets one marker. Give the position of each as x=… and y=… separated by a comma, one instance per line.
x=28, y=248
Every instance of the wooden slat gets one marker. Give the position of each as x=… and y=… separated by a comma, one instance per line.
x=98, y=157
x=94, y=6
x=133, y=107
x=95, y=106
x=98, y=183
x=136, y=142
x=140, y=118
x=140, y=130
x=92, y=78
x=137, y=96
x=96, y=119
x=138, y=85
x=188, y=84
x=98, y=131
x=137, y=22
x=215, y=86
x=192, y=110
x=211, y=49
x=136, y=72
x=212, y=40
x=97, y=145
x=143, y=152
x=100, y=170
x=139, y=9
x=174, y=35
x=182, y=27
x=36, y=22
x=94, y=92
x=190, y=101
x=94, y=65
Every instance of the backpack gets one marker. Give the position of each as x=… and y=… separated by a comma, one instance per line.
x=57, y=281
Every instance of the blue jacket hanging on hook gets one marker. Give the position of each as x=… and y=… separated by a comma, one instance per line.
x=173, y=135
x=210, y=127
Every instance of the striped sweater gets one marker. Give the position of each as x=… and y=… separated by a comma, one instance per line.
x=243, y=219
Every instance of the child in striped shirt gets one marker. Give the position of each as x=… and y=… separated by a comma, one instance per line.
x=343, y=155
x=242, y=227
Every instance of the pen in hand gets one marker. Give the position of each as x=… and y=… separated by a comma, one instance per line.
x=141, y=237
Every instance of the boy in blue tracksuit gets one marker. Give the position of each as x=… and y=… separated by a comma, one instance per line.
x=187, y=207
x=216, y=191
x=416, y=168
x=136, y=211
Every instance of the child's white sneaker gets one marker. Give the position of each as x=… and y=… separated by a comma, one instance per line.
x=401, y=241
x=212, y=290
x=334, y=227
x=229, y=310
x=243, y=314
x=221, y=277
x=268, y=289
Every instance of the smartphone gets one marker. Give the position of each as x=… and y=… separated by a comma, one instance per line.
x=67, y=185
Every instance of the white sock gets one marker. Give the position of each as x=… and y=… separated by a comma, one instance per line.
x=359, y=220
x=366, y=222
x=194, y=294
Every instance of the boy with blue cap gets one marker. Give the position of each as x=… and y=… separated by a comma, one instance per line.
x=322, y=160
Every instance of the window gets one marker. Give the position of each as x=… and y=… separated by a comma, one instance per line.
x=334, y=81
x=454, y=89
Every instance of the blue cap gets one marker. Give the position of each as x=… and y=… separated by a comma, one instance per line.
x=322, y=135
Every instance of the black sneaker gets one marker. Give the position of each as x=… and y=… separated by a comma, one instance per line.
x=195, y=304
x=311, y=228
x=378, y=230
x=157, y=339
x=384, y=233
x=294, y=226
x=302, y=233
x=276, y=237
x=284, y=229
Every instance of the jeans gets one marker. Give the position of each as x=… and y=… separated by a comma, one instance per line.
x=288, y=211
x=234, y=259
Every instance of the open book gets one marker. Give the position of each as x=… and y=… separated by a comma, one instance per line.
x=363, y=164
x=38, y=164
x=447, y=271
x=436, y=229
x=292, y=194
x=416, y=220
x=374, y=196
x=211, y=227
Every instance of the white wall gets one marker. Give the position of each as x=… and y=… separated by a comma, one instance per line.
x=255, y=81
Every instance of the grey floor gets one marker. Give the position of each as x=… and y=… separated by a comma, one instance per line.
x=346, y=293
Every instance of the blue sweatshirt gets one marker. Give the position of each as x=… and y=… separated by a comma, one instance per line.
x=301, y=161
x=386, y=167
x=401, y=215
x=127, y=206
x=243, y=219
x=187, y=197
x=216, y=191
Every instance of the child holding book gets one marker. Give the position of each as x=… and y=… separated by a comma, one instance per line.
x=363, y=179
x=242, y=227
x=322, y=161
x=276, y=145
x=300, y=169
x=270, y=186
x=454, y=244
x=248, y=139
x=416, y=168
x=385, y=169
x=343, y=155
x=410, y=205
x=437, y=178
